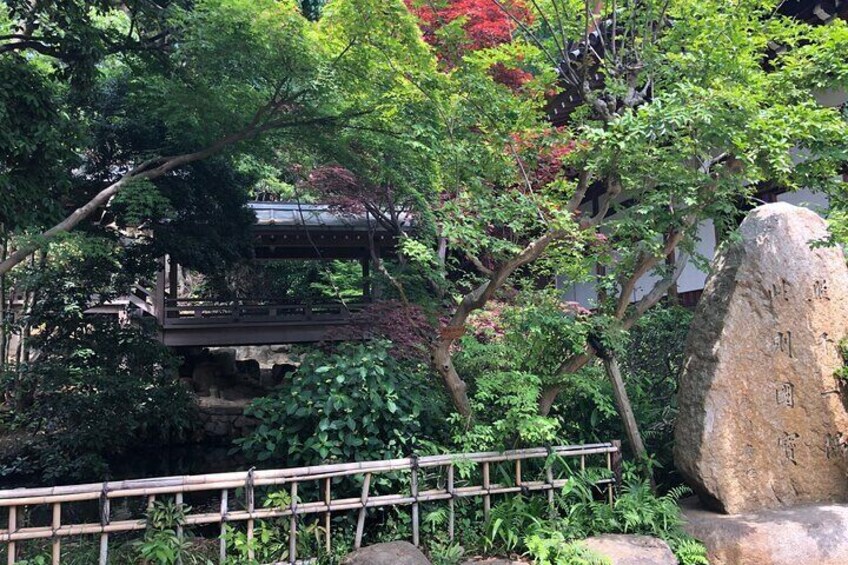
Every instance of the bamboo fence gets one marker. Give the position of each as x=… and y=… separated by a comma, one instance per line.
x=225, y=485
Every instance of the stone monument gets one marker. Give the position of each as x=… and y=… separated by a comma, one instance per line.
x=762, y=419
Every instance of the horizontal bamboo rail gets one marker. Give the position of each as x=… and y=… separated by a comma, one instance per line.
x=16, y=500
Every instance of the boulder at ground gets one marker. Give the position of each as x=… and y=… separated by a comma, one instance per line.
x=761, y=420
x=789, y=536
x=622, y=549
x=394, y=553
x=494, y=561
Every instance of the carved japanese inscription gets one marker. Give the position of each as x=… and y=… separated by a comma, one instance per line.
x=785, y=395
x=762, y=421
x=786, y=443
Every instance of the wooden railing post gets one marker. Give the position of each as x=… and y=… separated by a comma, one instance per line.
x=222, y=548
x=293, y=525
x=104, y=521
x=56, y=551
x=360, y=522
x=414, y=488
x=327, y=536
x=13, y=527
x=487, y=498
x=451, y=503
x=178, y=500
x=617, y=464
x=248, y=489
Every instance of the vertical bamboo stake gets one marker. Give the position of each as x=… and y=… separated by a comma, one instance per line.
x=104, y=520
x=250, y=507
x=57, y=541
x=452, y=510
x=617, y=470
x=178, y=499
x=150, y=501
x=549, y=476
x=222, y=549
x=582, y=463
x=487, y=498
x=414, y=486
x=609, y=485
x=327, y=535
x=360, y=522
x=293, y=525
x=518, y=473
x=13, y=526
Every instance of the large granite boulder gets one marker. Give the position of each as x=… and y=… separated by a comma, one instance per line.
x=815, y=533
x=392, y=553
x=622, y=549
x=762, y=421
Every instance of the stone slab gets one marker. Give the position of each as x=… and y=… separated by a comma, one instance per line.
x=808, y=534
x=622, y=549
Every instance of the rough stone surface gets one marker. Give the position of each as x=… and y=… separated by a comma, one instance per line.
x=494, y=561
x=623, y=549
x=394, y=553
x=791, y=536
x=762, y=421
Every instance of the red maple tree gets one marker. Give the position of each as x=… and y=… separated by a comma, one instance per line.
x=485, y=25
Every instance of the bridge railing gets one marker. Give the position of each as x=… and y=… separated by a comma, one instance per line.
x=538, y=470
x=194, y=311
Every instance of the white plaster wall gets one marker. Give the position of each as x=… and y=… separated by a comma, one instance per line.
x=815, y=201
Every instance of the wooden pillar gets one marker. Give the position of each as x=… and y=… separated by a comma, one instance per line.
x=366, y=278
x=375, y=285
x=172, y=278
x=159, y=292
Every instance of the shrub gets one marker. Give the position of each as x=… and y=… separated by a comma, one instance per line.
x=355, y=403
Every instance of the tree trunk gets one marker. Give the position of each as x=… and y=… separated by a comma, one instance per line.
x=457, y=389
x=625, y=410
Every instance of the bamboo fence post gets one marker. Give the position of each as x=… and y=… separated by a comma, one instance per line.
x=414, y=488
x=549, y=476
x=487, y=498
x=104, y=521
x=327, y=535
x=13, y=526
x=518, y=473
x=248, y=489
x=57, y=541
x=151, y=500
x=360, y=522
x=222, y=549
x=609, y=486
x=293, y=524
x=451, y=509
x=582, y=463
x=178, y=499
x=617, y=465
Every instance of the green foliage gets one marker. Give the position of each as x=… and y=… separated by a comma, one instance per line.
x=98, y=385
x=556, y=549
x=519, y=524
x=355, y=403
x=162, y=544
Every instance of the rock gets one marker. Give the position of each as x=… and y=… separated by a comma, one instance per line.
x=802, y=534
x=249, y=368
x=226, y=359
x=279, y=372
x=206, y=375
x=266, y=355
x=493, y=561
x=761, y=420
x=394, y=553
x=623, y=549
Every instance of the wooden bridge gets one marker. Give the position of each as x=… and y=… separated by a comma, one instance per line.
x=283, y=231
